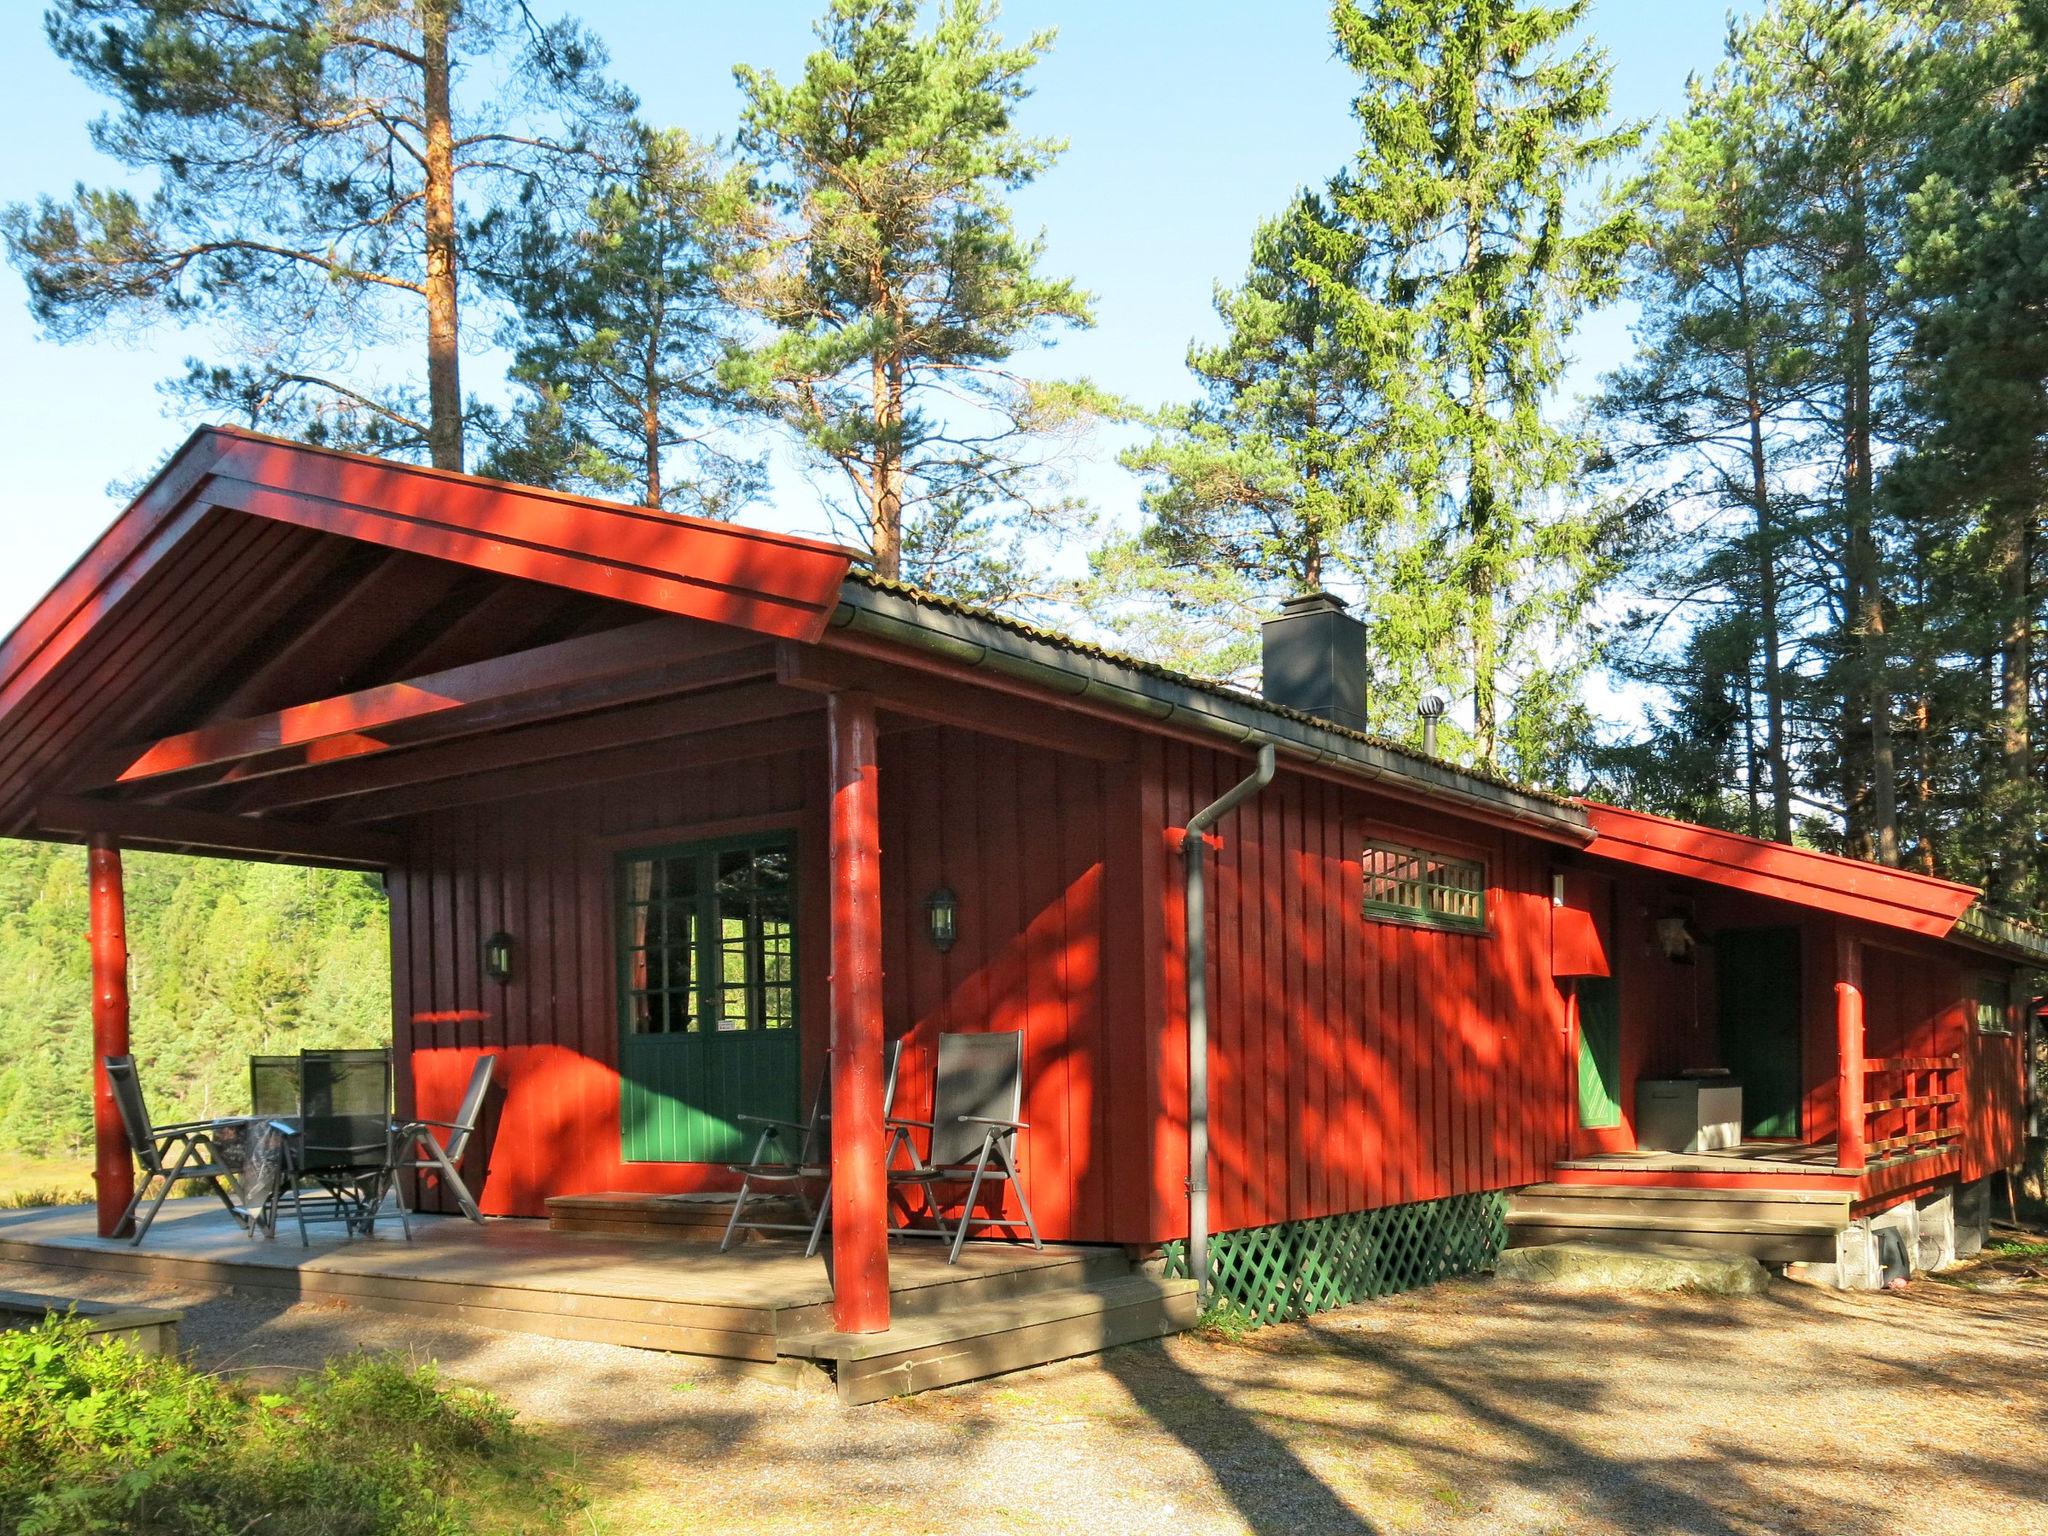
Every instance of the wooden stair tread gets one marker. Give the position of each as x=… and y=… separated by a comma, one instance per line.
x=1635, y=1221
x=959, y=1324
x=1675, y=1195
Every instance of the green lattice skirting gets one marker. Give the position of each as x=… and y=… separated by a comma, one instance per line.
x=1298, y=1267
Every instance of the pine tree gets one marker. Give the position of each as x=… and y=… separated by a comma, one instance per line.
x=1479, y=126
x=620, y=325
x=1722, y=385
x=900, y=293
x=1976, y=268
x=318, y=185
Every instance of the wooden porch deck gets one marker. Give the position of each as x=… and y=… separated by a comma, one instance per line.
x=1751, y=1159
x=764, y=1307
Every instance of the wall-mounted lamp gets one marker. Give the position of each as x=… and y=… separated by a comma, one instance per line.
x=498, y=957
x=942, y=918
x=1431, y=708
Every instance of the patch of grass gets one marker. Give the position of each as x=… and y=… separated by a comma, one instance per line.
x=2019, y=1248
x=1227, y=1322
x=32, y=1181
x=94, y=1437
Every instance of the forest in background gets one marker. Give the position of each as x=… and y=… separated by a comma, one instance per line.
x=227, y=960
x=1803, y=522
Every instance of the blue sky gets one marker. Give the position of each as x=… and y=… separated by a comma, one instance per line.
x=1188, y=120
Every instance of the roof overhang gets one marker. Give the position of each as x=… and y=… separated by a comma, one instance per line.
x=239, y=530
x=1890, y=898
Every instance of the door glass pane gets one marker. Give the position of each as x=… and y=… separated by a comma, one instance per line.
x=661, y=932
x=753, y=924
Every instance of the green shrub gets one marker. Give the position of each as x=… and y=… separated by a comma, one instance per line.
x=96, y=1438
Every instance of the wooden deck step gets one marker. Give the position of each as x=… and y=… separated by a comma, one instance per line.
x=964, y=1343
x=668, y=1218
x=1776, y=1226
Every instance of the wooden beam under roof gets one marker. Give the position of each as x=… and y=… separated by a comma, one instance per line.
x=727, y=708
x=638, y=760
x=611, y=667
x=175, y=829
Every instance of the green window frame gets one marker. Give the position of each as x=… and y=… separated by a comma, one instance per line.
x=707, y=936
x=1994, y=1005
x=1423, y=888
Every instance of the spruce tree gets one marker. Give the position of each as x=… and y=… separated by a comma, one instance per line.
x=899, y=293
x=1481, y=122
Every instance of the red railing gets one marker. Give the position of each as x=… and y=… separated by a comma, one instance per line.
x=1912, y=1106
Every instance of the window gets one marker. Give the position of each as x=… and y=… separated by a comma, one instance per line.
x=708, y=938
x=1994, y=1006
x=1411, y=885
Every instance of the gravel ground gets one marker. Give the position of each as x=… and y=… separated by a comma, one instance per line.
x=1468, y=1408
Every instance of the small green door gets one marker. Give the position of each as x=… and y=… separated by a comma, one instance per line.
x=1758, y=976
x=707, y=990
x=1599, y=1053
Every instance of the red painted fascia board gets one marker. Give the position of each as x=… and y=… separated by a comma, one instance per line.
x=772, y=583
x=107, y=571
x=1848, y=887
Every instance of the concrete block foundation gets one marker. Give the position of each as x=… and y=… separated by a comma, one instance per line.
x=1916, y=1237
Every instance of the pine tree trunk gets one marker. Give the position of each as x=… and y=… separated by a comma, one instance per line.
x=650, y=418
x=444, y=365
x=2015, y=733
x=1767, y=584
x=885, y=530
x=1479, y=494
x=1867, y=618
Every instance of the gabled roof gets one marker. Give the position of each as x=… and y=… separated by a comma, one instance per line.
x=1890, y=898
x=242, y=543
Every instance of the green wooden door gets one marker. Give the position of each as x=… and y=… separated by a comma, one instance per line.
x=707, y=989
x=1599, y=1053
x=1762, y=1022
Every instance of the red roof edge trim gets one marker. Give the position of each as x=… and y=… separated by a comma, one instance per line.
x=1893, y=898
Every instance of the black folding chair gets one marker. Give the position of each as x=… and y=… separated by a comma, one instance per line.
x=977, y=1094
x=796, y=1154
x=343, y=1146
x=416, y=1149
x=172, y=1154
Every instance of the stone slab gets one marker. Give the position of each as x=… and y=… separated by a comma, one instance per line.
x=1595, y=1266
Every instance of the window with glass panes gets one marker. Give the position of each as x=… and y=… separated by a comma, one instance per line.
x=1414, y=885
x=708, y=939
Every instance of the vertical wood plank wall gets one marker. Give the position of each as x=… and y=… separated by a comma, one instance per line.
x=1354, y=1064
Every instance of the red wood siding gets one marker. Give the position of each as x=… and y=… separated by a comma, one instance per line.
x=541, y=869
x=1018, y=833
x=1354, y=1064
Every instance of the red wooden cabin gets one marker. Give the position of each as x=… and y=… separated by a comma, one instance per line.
x=599, y=732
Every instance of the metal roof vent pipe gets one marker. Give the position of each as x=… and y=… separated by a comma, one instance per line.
x=1314, y=655
x=1432, y=710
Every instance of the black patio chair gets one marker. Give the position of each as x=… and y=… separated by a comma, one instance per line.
x=416, y=1148
x=342, y=1146
x=977, y=1094
x=796, y=1154
x=172, y=1154
x=273, y=1087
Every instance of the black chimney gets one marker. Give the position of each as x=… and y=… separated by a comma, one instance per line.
x=1315, y=659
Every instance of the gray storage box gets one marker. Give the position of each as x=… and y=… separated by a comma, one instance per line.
x=1688, y=1114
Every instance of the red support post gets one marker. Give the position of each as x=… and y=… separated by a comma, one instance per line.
x=1849, y=1142
x=860, y=1186
x=114, y=1165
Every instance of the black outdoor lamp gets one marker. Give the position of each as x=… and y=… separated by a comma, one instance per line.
x=942, y=918
x=498, y=957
